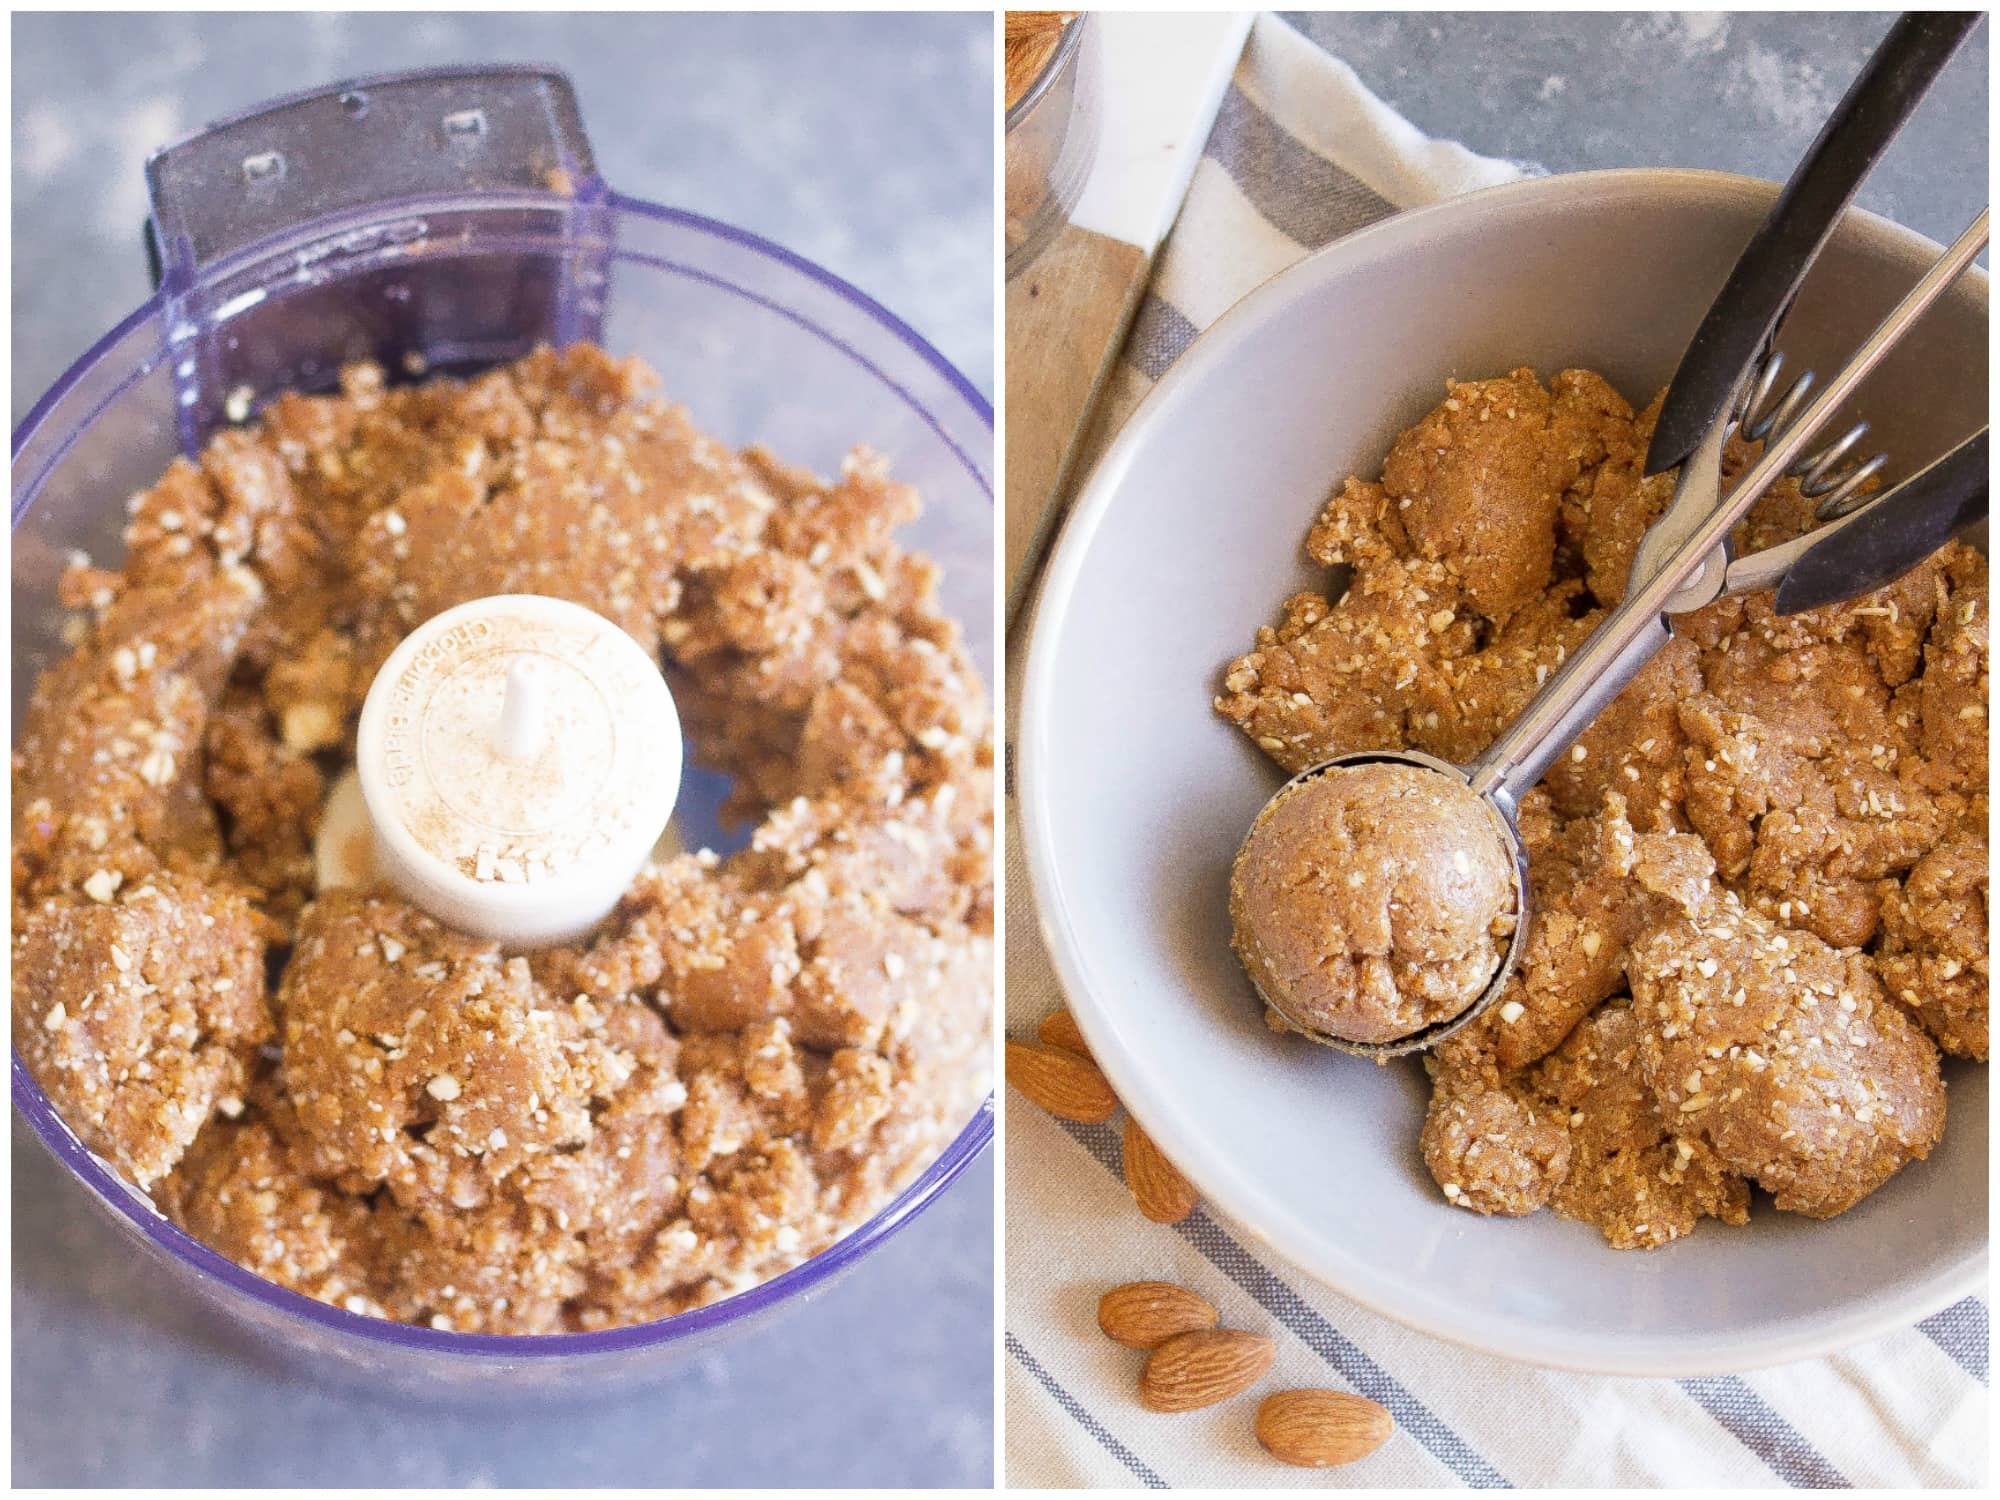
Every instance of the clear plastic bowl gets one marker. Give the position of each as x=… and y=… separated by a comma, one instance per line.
x=762, y=347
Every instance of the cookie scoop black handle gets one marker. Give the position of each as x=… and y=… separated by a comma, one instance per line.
x=1892, y=534
x=1743, y=320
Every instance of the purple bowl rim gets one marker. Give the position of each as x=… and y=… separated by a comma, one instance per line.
x=146, y=312
x=149, y=310
x=843, y=288
x=963, y=1149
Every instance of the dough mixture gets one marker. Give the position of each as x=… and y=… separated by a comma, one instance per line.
x=1031, y=40
x=744, y=1062
x=1373, y=900
x=1758, y=880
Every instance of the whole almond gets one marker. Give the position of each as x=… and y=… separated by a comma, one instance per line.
x=1193, y=1370
x=1067, y=1086
x=1163, y=1195
x=1319, y=1429
x=1059, y=1030
x=1145, y=1314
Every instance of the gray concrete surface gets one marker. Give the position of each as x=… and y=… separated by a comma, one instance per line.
x=1740, y=92
x=863, y=143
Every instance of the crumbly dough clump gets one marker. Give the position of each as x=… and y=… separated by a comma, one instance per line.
x=1373, y=900
x=1780, y=1053
x=1764, y=865
x=744, y=1062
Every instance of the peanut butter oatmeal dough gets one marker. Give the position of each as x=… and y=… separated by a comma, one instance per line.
x=1782, y=1054
x=1933, y=955
x=1373, y=900
x=744, y=1062
x=1490, y=1144
x=140, y=1009
x=1765, y=862
x=1629, y=1174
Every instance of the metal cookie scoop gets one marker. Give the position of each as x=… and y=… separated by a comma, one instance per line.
x=1683, y=561
x=1295, y=1010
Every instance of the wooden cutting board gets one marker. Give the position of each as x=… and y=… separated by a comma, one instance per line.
x=1163, y=77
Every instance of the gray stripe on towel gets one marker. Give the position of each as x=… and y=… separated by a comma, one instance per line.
x=1160, y=334
x=1301, y=194
x=1749, y=1418
x=1298, y=191
x=1084, y=1419
x=1961, y=1330
x=1299, y=1318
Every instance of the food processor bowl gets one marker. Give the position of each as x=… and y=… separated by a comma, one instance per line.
x=476, y=265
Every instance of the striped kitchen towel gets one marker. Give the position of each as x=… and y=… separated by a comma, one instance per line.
x=1301, y=154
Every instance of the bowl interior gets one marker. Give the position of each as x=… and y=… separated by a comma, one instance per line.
x=1186, y=540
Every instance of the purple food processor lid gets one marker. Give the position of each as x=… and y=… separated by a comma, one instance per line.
x=139, y=1211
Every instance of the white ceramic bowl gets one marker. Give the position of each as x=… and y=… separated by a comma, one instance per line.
x=1134, y=795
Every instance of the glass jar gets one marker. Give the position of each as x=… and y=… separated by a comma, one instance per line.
x=1052, y=133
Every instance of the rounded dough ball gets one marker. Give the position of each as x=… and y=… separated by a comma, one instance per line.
x=1373, y=900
